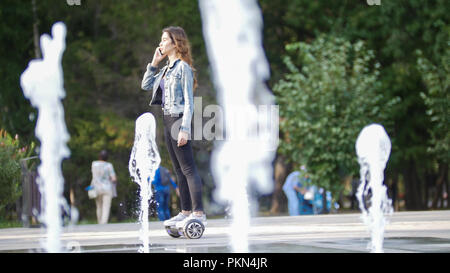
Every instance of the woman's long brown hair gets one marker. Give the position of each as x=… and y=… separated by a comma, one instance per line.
x=182, y=46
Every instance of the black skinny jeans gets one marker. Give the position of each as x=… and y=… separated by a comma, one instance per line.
x=188, y=180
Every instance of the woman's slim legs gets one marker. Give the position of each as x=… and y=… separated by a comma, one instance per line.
x=190, y=183
x=186, y=203
x=185, y=158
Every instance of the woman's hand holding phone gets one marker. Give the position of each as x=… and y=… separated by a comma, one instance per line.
x=157, y=57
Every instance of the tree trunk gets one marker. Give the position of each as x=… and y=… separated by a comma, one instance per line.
x=281, y=171
x=439, y=186
x=98, y=11
x=413, y=198
x=394, y=192
x=37, y=51
x=447, y=188
x=428, y=185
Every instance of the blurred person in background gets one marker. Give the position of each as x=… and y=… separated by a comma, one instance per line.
x=104, y=183
x=162, y=183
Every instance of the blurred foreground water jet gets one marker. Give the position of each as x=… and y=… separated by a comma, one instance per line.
x=144, y=161
x=43, y=84
x=373, y=148
x=232, y=31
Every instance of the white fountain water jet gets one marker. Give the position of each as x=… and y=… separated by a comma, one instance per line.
x=373, y=148
x=232, y=31
x=42, y=83
x=144, y=161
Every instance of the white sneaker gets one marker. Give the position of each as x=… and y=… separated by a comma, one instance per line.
x=172, y=221
x=202, y=219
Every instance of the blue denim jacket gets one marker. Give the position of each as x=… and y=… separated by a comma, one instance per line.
x=178, y=90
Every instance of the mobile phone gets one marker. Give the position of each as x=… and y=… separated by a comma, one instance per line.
x=159, y=51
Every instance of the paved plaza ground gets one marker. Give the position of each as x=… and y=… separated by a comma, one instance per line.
x=407, y=232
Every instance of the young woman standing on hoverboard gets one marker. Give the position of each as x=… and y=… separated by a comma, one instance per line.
x=173, y=88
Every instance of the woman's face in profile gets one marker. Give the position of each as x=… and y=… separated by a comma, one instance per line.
x=166, y=45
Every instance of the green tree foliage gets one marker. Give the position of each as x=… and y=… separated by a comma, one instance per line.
x=331, y=92
x=16, y=48
x=10, y=176
x=437, y=99
x=394, y=30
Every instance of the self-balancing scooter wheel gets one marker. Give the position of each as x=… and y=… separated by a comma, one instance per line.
x=193, y=229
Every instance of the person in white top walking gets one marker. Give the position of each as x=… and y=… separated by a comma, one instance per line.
x=104, y=182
